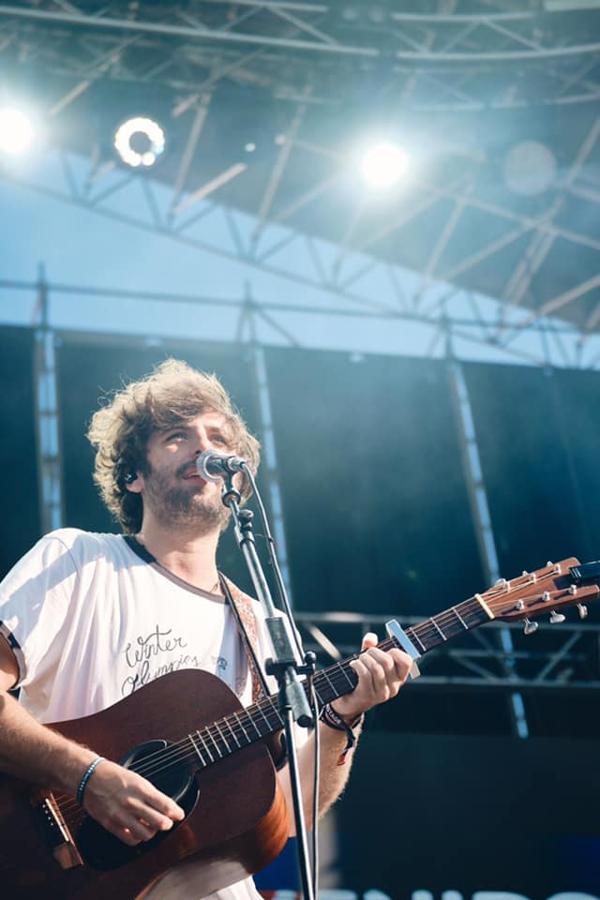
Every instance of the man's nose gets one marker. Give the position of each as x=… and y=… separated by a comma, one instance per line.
x=202, y=441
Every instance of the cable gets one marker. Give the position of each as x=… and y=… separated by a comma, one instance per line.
x=281, y=590
x=273, y=558
x=316, y=778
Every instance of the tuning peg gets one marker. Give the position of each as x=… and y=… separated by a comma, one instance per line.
x=546, y=596
x=519, y=605
x=531, y=575
x=582, y=610
x=530, y=627
x=556, y=618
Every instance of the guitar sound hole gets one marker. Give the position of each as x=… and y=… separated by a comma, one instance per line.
x=102, y=850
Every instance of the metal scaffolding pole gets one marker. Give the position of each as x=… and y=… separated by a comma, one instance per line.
x=482, y=519
x=49, y=462
x=269, y=451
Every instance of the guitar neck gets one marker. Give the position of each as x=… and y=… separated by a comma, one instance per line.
x=341, y=679
x=262, y=719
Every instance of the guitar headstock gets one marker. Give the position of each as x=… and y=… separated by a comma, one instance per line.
x=545, y=591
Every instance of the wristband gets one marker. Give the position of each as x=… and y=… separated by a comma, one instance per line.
x=86, y=777
x=335, y=721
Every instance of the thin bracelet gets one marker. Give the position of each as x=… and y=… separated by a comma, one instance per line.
x=86, y=777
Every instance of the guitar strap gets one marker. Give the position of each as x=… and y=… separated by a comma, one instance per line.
x=241, y=607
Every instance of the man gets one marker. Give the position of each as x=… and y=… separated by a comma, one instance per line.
x=88, y=618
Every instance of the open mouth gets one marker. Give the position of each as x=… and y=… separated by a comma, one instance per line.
x=190, y=473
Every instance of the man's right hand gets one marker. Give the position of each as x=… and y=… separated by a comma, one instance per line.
x=127, y=805
x=122, y=801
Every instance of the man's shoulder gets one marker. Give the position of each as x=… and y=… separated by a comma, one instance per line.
x=83, y=545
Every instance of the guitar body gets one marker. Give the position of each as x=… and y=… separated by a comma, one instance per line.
x=236, y=819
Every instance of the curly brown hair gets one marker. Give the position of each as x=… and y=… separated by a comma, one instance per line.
x=172, y=394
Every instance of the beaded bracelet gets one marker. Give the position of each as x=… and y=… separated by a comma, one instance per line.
x=86, y=777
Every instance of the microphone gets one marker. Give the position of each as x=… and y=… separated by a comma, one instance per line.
x=212, y=466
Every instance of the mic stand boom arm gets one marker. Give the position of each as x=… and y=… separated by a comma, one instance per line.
x=293, y=701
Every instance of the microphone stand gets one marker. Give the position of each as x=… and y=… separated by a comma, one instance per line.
x=293, y=702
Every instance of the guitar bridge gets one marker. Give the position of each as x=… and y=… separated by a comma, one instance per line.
x=55, y=830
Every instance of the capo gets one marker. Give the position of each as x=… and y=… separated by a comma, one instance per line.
x=396, y=632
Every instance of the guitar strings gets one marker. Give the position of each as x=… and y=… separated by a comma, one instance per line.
x=447, y=618
x=186, y=748
x=233, y=723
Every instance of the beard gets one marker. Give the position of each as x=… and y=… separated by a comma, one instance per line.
x=174, y=502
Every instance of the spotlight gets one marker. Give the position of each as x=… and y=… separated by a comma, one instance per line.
x=16, y=131
x=139, y=141
x=377, y=15
x=530, y=168
x=350, y=13
x=384, y=164
x=250, y=147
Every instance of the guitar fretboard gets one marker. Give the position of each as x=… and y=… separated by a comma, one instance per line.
x=214, y=742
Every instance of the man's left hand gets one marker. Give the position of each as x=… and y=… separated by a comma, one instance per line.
x=381, y=674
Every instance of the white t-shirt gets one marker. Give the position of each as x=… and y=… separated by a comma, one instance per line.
x=90, y=620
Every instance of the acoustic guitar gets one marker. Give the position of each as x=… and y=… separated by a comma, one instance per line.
x=188, y=734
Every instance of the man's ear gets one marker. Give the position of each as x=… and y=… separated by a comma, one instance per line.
x=133, y=482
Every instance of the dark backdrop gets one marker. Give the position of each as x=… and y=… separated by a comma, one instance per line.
x=376, y=510
x=18, y=466
x=454, y=814
x=539, y=438
x=478, y=814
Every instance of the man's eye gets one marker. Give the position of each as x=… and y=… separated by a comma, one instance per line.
x=219, y=439
x=176, y=435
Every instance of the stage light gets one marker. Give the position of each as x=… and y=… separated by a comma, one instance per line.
x=377, y=15
x=383, y=165
x=350, y=13
x=530, y=168
x=139, y=141
x=16, y=131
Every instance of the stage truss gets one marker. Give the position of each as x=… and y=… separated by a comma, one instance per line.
x=570, y=663
x=307, y=68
